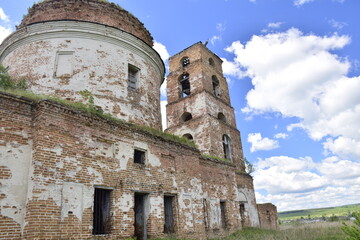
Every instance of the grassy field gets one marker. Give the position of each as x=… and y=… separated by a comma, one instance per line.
x=315, y=231
x=319, y=212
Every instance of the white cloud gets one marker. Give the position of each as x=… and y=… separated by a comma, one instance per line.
x=164, y=54
x=288, y=79
x=214, y=39
x=259, y=143
x=284, y=174
x=300, y=183
x=163, y=114
x=220, y=27
x=232, y=68
x=344, y=147
x=336, y=24
x=161, y=49
x=274, y=24
x=3, y=16
x=301, y=2
x=281, y=135
x=4, y=32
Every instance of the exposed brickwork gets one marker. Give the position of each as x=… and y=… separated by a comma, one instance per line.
x=268, y=216
x=68, y=150
x=60, y=165
x=202, y=103
x=90, y=11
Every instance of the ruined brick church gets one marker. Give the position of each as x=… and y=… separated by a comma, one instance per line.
x=69, y=174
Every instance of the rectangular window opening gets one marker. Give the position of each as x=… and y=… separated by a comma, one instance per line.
x=169, y=226
x=101, y=217
x=139, y=156
x=133, y=75
x=223, y=214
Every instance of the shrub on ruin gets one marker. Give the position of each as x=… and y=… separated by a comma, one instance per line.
x=352, y=231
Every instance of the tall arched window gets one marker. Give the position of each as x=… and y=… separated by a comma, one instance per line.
x=185, y=61
x=216, y=86
x=226, y=146
x=184, y=85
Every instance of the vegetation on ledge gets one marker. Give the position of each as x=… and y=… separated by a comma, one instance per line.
x=18, y=88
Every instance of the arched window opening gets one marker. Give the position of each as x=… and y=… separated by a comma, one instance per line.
x=211, y=62
x=186, y=117
x=221, y=117
x=227, y=146
x=184, y=85
x=188, y=136
x=216, y=86
x=185, y=61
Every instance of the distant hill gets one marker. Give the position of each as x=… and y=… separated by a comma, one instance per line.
x=319, y=212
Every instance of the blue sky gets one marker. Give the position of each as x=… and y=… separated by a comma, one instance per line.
x=293, y=68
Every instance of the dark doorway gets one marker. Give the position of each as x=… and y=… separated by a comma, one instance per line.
x=169, y=226
x=101, y=217
x=140, y=217
x=242, y=214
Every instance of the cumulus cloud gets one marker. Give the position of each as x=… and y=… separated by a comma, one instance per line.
x=260, y=143
x=164, y=54
x=300, y=183
x=162, y=50
x=284, y=174
x=3, y=16
x=4, y=32
x=297, y=75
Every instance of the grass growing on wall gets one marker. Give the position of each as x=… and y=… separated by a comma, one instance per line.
x=18, y=88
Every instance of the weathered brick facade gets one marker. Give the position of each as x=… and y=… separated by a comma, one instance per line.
x=66, y=174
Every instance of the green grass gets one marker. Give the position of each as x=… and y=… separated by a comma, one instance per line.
x=314, y=231
x=319, y=212
x=77, y=106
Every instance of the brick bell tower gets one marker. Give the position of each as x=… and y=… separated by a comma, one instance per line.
x=199, y=104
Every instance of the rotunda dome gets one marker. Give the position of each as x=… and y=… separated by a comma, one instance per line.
x=95, y=11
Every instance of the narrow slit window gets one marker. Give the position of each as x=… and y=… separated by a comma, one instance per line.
x=185, y=85
x=101, y=217
x=133, y=76
x=139, y=156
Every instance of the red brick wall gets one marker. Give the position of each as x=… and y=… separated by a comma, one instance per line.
x=90, y=11
x=71, y=149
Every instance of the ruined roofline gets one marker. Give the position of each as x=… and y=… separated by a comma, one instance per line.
x=37, y=101
x=95, y=11
x=200, y=42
